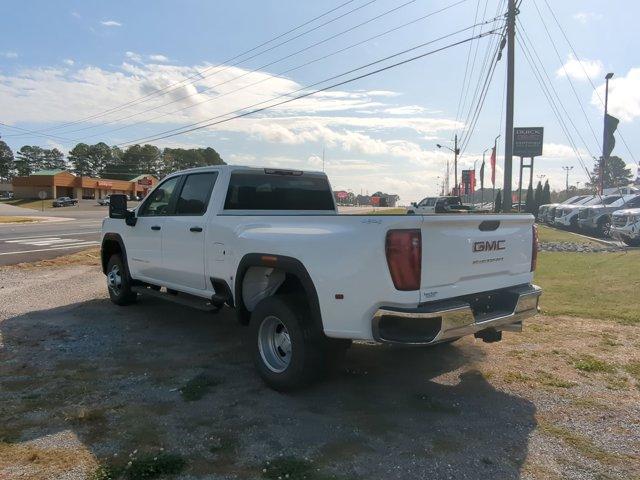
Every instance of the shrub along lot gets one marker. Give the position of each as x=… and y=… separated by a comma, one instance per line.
x=155, y=390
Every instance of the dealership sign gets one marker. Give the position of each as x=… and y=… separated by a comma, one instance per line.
x=104, y=184
x=145, y=181
x=527, y=141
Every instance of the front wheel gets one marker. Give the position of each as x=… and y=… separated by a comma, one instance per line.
x=287, y=351
x=119, y=282
x=604, y=227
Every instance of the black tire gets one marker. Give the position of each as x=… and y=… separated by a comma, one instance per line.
x=286, y=316
x=604, y=227
x=119, y=282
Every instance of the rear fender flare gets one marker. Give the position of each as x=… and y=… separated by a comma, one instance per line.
x=289, y=265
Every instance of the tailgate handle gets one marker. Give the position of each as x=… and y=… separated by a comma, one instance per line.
x=489, y=225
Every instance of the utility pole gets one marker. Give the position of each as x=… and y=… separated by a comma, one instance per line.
x=567, y=169
x=603, y=160
x=456, y=152
x=508, y=141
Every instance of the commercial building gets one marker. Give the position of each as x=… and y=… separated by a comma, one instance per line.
x=60, y=183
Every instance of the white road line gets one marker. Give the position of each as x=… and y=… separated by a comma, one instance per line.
x=78, y=245
x=49, y=236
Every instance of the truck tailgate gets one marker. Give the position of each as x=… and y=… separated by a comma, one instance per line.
x=464, y=254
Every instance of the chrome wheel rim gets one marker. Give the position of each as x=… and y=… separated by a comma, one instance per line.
x=274, y=344
x=114, y=279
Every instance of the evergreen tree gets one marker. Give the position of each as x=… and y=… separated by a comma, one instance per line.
x=537, y=197
x=498, y=202
x=530, y=204
x=546, y=193
x=7, y=168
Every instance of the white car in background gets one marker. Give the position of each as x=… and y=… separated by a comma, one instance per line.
x=625, y=226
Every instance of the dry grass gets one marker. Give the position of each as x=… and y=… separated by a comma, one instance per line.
x=89, y=257
x=12, y=219
x=29, y=203
x=36, y=462
x=548, y=234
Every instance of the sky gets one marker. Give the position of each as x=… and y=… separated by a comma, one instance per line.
x=125, y=72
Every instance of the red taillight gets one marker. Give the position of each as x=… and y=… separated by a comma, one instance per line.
x=534, y=247
x=404, y=257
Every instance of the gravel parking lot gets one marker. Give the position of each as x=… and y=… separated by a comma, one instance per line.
x=90, y=390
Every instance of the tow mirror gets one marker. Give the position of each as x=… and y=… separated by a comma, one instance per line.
x=118, y=206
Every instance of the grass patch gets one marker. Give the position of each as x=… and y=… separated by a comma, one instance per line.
x=593, y=364
x=516, y=377
x=548, y=234
x=28, y=203
x=224, y=445
x=581, y=444
x=90, y=257
x=11, y=219
x=549, y=380
x=590, y=285
x=198, y=387
x=145, y=467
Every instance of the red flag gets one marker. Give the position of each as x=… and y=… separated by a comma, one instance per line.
x=493, y=166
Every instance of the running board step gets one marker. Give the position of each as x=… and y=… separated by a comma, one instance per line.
x=180, y=298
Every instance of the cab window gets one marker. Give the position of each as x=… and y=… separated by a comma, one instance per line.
x=158, y=203
x=195, y=193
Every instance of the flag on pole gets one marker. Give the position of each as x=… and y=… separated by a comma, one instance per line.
x=482, y=175
x=610, y=126
x=493, y=166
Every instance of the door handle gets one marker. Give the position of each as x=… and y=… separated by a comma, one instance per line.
x=156, y=227
x=195, y=229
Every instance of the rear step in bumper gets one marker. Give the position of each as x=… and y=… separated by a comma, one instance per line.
x=439, y=321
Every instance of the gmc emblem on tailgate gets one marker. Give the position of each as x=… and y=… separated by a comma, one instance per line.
x=489, y=246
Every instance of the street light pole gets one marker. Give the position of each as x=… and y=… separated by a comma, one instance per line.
x=567, y=169
x=456, y=152
x=603, y=160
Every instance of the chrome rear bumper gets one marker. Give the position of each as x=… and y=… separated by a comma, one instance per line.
x=435, y=322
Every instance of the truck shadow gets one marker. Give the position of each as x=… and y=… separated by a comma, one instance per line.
x=157, y=375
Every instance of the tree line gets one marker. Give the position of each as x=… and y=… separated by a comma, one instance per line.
x=104, y=161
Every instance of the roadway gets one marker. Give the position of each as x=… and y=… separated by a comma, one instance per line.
x=65, y=230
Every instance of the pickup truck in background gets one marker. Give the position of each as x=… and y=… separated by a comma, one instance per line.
x=597, y=218
x=307, y=281
x=625, y=226
x=64, y=202
x=451, y=204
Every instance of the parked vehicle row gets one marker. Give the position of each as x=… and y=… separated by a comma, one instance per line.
x=450, y=204
x=595, y=214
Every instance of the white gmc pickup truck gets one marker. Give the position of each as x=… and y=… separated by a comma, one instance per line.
x=270, y=244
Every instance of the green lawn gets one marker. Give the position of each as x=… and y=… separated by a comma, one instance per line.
x=593, y=285
x=388, y=211
x=28, y=203
x=548, y=234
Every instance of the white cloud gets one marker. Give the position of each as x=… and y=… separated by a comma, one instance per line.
x=586, y=17
x=405, y=110
x=158, y=58
x=111, y=23
x=75, y=14
x=133, y=56
x=10, y=55
x=68, y=61
x=580, y=69
x=624, y=96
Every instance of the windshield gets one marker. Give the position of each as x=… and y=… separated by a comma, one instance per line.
x=611, y=200
x=573, y=200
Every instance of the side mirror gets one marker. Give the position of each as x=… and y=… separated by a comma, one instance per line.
x=117, y=206
x=415, y=204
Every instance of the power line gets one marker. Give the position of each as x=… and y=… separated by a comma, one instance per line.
x=199, y=74
x=260, y=68
x=167, y=134
x=466, y=66
x=281, y=72
x=575, y=54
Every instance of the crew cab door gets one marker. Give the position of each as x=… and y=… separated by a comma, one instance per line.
x=184, y=233
x=143, y=241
